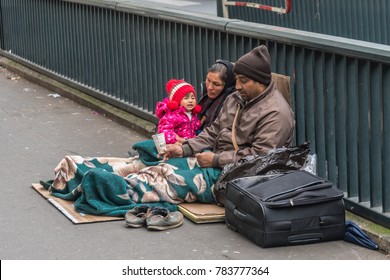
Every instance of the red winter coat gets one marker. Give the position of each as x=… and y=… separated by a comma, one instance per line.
x=176, y=121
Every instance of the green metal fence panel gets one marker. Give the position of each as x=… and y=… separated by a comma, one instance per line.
x=123, y=54
x=1, y=28
x=386, y=139
x=366, y=20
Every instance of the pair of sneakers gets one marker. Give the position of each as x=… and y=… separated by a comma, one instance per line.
x=155, y=218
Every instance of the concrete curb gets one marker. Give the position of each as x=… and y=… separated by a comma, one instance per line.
x=379, y=234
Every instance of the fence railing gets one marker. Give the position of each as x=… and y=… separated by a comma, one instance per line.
x=365, y=20
x=123, y=54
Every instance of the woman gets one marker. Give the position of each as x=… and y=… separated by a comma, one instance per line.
x=220, y=82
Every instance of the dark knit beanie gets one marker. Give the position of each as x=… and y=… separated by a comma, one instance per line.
x=255, y=65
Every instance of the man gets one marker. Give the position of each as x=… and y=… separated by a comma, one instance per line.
x=254, y=119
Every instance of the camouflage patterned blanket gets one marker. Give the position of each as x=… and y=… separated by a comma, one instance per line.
x=112, y=186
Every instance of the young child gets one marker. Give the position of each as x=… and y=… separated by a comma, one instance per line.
x=178, y=112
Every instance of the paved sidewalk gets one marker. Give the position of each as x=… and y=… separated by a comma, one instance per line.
x=39, y=126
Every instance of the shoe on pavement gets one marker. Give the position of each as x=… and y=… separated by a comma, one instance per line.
x=162, y=219
x=136, y=217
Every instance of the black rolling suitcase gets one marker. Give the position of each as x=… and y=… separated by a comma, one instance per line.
x=294, y=208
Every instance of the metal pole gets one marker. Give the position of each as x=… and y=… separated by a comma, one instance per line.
x=225, y=9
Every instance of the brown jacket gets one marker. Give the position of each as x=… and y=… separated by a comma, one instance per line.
x=264, y=123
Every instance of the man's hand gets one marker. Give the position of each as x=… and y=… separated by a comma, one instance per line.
x=173, y=150
x=205, y=159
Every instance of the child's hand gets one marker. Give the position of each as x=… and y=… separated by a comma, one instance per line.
x=202, y=120
x=179, y=139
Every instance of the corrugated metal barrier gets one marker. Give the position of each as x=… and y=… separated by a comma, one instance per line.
x=366, y=20
x=124, y=53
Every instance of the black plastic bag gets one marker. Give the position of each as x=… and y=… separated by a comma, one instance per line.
x=355, y=235
x=276, y=162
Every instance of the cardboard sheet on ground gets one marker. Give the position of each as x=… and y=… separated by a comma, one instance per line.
x=196, y=212
x=203, y=213
x=66, y=208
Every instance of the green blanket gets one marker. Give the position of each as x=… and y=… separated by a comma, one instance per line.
x=112, y=186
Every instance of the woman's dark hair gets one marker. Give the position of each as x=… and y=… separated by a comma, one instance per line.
x=219, y=68
x=225, y=70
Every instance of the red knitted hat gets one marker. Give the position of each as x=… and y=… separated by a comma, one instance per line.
x=176, y=90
